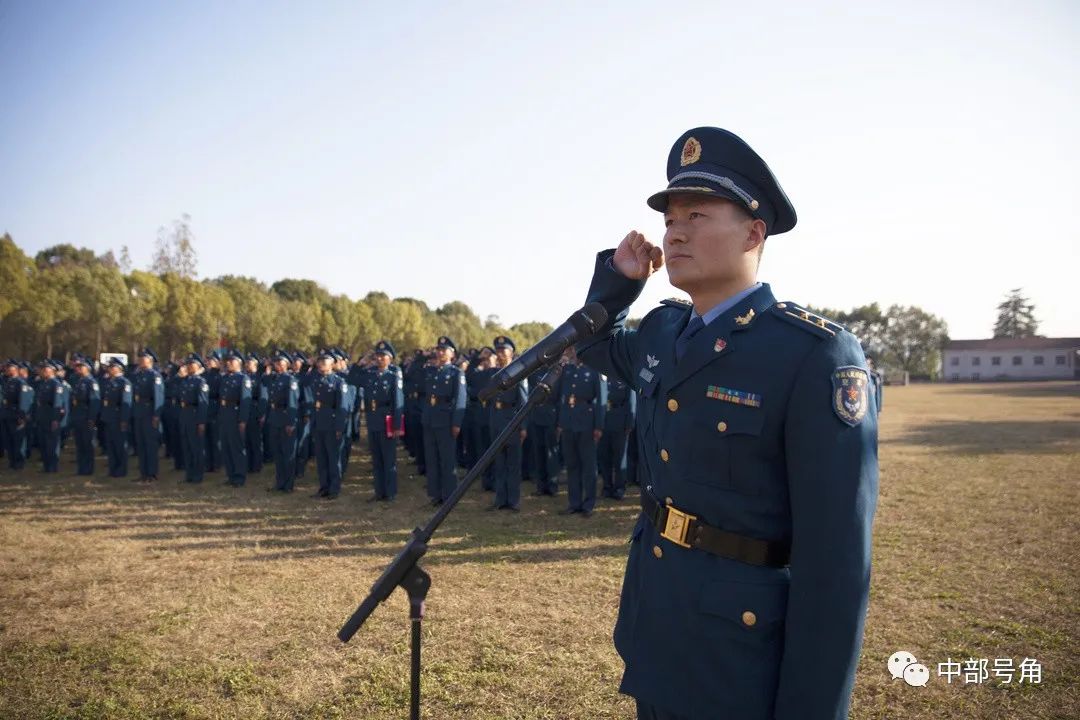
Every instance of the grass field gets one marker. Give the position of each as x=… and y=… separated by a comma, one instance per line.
x=120, y=600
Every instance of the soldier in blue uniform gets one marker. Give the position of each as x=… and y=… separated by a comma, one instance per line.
x=18, y=404
x=385, y=400
x=748, y=576
x=329, y=421
x=477, y=413
x=85, y=406
x=212, y=437
x=545, y=444
x=283, y=418
x=234, y=409
x=341, y=366
x=176, y=382
x=65, y=420
x=193, y=400
x=415, y=409
x=168, y=411
x=508, y=464
x=148, y=399
x=618, y=424
x=304, y=375
x=48, y=414
x=582, y=404
x=266, y=380
x=445, y=411
x=115, y=415
x=253, y=436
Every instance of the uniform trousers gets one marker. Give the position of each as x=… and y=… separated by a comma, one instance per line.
x=579, y=454
x=383, y=463
x=546, y=458
x=84, y=447
x=440, y=460
x=146, y=445
x=508, y=473
x=284, y=445
x=611, y=461
x=49, y=442
x=193, y=448
x=116, y=449
x=328, y=460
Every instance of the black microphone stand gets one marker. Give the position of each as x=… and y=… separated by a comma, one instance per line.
x=404, y=571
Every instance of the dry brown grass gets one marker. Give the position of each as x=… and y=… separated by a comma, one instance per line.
x=174, y=601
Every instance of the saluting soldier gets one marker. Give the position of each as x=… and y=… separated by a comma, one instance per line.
x=283, y=418
x=329, y=421
x=48, y=414
x=341, y=366
x=115, y=416
x=212, y=437
x=582, y=404
x=750, y=562
x=178, y=379
x=234, y=409
x=18, y=408
x=253, y=435
x=85, y=406
x=385, y=405
x=618, y=424
x=148, y=399
x=193, y=396
x=65, y=421
x=545, y=444
x=305, y=444
x=501, y=410
x=477, y=412
x=445, y=390
x=168, y=411
x=415, y=409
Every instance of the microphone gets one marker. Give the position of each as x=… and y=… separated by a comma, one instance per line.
x=578, y=326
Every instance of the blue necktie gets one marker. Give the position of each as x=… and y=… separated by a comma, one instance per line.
x=692, y=328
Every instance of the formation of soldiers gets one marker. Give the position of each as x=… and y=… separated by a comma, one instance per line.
x=233, y=412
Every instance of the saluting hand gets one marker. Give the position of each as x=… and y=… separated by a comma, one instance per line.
x=636, y=258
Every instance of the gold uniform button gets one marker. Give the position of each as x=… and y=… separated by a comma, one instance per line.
x=664, y=455
x=721, y=426
x=781, y=305
x=668, y=501
x=672, y=404
x=749, y=619
x=657, y=552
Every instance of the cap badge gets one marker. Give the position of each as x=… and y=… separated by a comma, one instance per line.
x=691, y=152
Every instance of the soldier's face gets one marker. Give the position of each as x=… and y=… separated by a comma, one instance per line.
x=281, y=365
x=382, y=360
x=504, y=355
x=46, y=372
x=145, y=362
x=708, y=241
x=324, y=365
x=114, y=370
x=297, y=365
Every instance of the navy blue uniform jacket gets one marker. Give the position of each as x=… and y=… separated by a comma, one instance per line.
x=748, y=433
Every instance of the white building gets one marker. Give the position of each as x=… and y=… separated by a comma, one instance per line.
x=1032, y=358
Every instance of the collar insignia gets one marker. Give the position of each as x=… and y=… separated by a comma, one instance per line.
x=721, y=343
x=745, y=319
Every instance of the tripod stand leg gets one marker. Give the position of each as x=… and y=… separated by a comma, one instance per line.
x=416, y=583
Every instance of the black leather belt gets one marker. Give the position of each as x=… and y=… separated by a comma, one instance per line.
x=686, y=530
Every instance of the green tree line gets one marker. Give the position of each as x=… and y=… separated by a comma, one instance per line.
x=67, y=299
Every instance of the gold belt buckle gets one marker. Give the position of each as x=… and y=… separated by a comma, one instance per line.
x=677, y=525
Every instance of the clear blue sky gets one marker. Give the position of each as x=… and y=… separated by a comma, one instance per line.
x=484, y=151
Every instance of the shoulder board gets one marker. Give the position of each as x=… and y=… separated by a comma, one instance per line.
x=805, y=319
x=680, y=303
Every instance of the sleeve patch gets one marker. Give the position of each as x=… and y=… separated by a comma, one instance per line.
x=850, y=396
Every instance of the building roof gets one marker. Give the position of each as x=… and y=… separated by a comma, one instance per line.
x=1028, y=343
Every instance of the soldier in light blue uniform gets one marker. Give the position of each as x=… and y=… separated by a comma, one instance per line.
x=383, y=412
x=18, y=408
x=85, y=406
x=445, y=411
x=49, y=405
x=148, y=399
x=329, y=420
x=749, y=568
x=253, y=437
x=618, y=424
x=283, y=418
x=115, y=415
x=582, y=404
x=500, y=411
x=234, y=409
